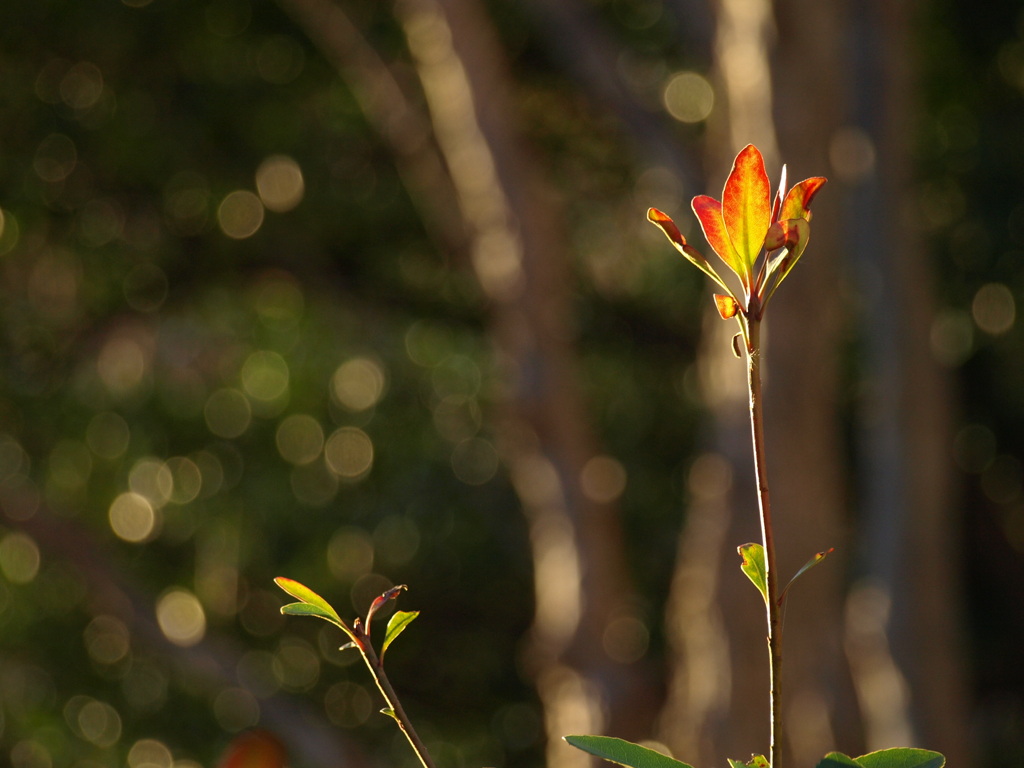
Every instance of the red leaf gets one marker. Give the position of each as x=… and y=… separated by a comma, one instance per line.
x=668, y=226
x=709, y=213
x=391, y=594
x=746, y=206
x=255, y=749
x=797, y=204
x=788, y=233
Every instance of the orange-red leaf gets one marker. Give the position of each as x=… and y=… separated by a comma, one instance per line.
x=746, y=206
x=727, y=306
x=789, y=233
x=797, y=204
x=255, y=749
x=709, y=214
x=665, y=223
x=668, y=226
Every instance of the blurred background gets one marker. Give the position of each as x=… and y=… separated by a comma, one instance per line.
x=363, y=294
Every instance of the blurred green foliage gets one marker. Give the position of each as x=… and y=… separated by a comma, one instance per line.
x=213, y=375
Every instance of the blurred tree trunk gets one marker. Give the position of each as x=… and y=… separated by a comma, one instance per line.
x=904, y=611
x=718, y=704
x=520, y=256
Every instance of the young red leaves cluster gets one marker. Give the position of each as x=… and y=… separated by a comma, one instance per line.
x=745, y=223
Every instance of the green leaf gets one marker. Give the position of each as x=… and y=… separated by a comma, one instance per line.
x=315, y=605
x=396, y=625
x=818, y=557
x=753, y=566
x=305, y=609
x=390, y=713
x=623, y=752
x=837, y=760
x=902, y=757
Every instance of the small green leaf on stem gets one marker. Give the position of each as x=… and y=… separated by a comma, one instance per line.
x=390, y=713
x=624, y=752
x=818, y=557
x=902, y=757
x=305, y=609
x=753, y=566
x=396, y=625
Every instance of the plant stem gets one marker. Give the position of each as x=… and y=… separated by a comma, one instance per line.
x=767, y=536
x=391, y=698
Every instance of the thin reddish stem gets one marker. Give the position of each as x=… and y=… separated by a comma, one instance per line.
x=767, y=534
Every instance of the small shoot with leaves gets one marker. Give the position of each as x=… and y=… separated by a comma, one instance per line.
x=311, y=604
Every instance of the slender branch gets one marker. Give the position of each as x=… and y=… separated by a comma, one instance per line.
x=391, y=698
x=767, y=535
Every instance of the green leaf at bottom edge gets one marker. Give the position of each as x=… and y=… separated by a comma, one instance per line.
x=756, y=761
x=624, y=752
x=837, y=760
x=902, y=757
